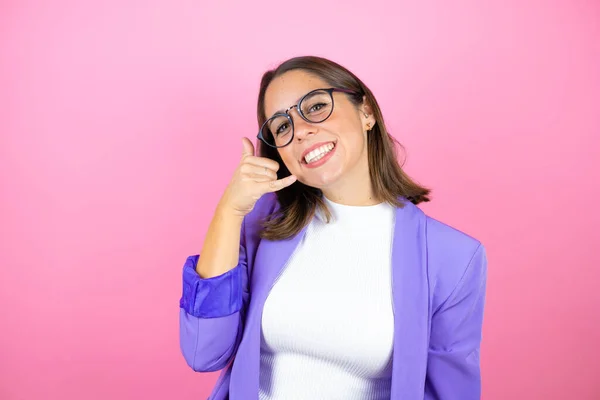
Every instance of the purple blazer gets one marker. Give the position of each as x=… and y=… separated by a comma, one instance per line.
x=438, y=286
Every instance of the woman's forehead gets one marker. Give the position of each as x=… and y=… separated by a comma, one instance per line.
x=287, y=89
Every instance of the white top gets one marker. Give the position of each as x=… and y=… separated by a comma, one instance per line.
x=328, y=325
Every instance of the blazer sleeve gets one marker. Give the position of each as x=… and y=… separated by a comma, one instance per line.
x=212, y=311
x=453, y=369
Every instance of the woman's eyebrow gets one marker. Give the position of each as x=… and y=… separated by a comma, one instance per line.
x=280, y=111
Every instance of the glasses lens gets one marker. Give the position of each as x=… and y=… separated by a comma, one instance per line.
x=317, y=106
x=277, y=131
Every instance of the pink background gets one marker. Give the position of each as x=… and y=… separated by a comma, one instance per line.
x=120, y=126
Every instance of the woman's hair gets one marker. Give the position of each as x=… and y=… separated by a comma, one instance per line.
x=298, y=201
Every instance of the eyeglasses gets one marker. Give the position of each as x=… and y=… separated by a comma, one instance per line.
x=314, y=107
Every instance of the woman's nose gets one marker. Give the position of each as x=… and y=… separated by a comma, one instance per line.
x=302, y=128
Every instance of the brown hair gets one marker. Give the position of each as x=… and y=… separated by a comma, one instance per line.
x=299, y=202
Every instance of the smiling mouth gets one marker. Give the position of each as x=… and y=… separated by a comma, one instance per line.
x=318, y=153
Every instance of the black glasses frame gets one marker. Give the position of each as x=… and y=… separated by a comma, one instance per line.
x=287, y=115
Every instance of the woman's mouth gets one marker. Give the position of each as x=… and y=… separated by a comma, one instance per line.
x=318, y=156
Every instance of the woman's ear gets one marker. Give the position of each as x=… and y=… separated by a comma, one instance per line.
x=366, y=115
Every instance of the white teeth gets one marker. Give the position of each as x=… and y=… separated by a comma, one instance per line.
x=317, y=154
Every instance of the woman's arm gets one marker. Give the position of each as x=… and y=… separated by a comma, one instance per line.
x=215, y=285
x=215, y=297
x=453, y=368
x=221, y=246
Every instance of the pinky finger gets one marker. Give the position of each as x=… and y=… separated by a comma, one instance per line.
x=274, y=186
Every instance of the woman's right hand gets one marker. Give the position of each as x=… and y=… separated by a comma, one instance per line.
x=253, y=177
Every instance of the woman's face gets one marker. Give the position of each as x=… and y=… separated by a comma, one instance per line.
x=322, y=155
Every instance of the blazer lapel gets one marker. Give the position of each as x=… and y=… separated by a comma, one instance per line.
x=271, y=258
x=411, y=305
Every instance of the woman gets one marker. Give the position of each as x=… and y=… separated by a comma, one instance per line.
x=320, y=278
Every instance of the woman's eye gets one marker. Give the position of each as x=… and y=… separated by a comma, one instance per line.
x=316, y=107
x=282, y=128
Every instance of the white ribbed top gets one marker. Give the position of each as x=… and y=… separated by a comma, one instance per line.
x=327, y=325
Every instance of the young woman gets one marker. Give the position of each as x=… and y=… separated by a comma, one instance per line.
x=319, y=277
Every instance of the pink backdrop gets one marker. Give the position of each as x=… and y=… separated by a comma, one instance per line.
x=121, y=122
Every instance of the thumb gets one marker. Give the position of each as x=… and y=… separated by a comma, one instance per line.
x=248, y=147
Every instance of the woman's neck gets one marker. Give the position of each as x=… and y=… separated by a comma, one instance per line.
x=353, y=190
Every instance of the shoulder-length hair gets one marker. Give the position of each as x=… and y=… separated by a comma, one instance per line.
x=299, y=202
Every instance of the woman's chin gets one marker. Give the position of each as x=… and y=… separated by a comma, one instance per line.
x=321, y=179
